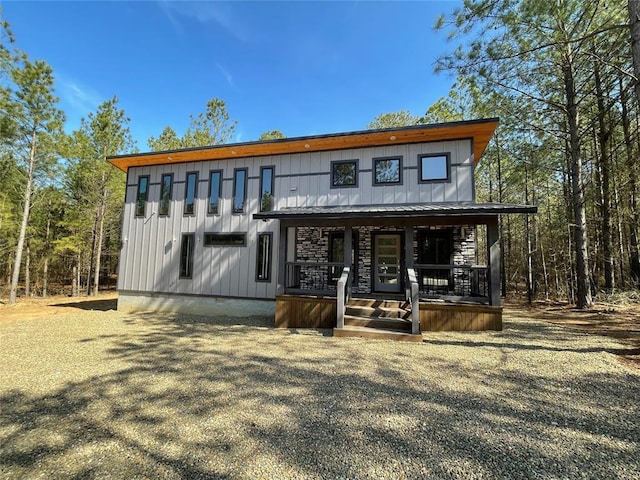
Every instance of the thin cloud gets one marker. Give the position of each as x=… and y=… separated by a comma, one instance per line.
x=227, y=74
x=205, y=12
x=81, y=98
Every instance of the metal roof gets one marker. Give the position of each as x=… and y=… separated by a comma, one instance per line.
x=398, y=210
x=479, y=131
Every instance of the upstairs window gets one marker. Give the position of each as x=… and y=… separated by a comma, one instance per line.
x=266, y=189
x=344, y=173
x=434, y=167
x=215, y=187
x=166, y=187
x=239, y=189
x=190, y=193
x=141, y=195
x=387, y=171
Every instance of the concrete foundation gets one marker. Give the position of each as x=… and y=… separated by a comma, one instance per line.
x=194, y=304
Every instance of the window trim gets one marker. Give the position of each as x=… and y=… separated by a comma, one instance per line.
x=217, y=210
x=224, y=234
x=267, y=279
x=354, y=161
x=272, y=186
x=446, y=155
x=193, y=242
x=146, y=196
x=162, y=177
x=375, y=181
x=235, y=184
x=186, y=193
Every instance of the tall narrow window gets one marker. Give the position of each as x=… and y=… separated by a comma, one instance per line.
x=239, y=189
x=215, y=186
x=186, y=255
x=190, y=193
x=263, y=260
x=141, y=196
x=166, y=187
x=266, y=189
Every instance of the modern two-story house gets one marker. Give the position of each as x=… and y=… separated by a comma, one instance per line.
x=371, y=233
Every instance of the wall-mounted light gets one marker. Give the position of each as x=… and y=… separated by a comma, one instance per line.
x=392, y=137
x=306, y=145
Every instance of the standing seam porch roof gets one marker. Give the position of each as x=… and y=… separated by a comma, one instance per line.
x=407, y=210
x=479, y=131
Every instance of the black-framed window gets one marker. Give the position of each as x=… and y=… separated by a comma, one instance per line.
x=225, y=239
x=215, y=191
x=344, y=173
x=166, y=190
x=186, y=255
x=434, y=167
x=142, y=195
x=239, y=189
x=263, y=257
x=387, y=171
x=336, y=255
x=190, y=193
x=266, y=189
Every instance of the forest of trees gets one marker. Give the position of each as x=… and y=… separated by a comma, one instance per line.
x=562, y=76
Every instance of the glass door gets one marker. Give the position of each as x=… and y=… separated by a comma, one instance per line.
x=387, y=263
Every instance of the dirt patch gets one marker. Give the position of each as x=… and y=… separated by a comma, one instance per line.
x=31, y=308
x=619, y=321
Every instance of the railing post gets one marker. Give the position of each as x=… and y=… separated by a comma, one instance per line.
x=415, y=301
x=341, y=296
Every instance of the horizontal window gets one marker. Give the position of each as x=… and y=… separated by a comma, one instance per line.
x=387, y=170
x=344, y=173
x=225, y=239
x=434, y=167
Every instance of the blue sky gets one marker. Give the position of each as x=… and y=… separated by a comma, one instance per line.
x=304, y=68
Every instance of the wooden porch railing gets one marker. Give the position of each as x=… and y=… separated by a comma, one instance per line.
x=412, y=294
x=468, y=281
x=343, y=295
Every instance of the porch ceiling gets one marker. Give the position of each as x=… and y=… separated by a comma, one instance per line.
x=407, y=210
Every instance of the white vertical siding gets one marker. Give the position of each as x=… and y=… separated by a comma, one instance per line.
x=150, y=257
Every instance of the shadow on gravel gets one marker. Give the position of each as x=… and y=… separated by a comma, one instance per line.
x=101, y=305
x=199, y=398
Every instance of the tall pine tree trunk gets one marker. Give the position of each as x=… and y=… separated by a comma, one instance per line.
x=13, y=291
x=583, y=294
x=634, y=27
x=605, y=162
x=634, y=253
x=101, y=214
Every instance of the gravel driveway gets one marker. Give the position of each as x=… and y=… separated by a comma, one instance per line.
x=102, y=394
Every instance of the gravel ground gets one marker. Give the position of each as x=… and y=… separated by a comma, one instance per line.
x=102, y=394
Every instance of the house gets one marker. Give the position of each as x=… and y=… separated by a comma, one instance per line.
x=371, y=233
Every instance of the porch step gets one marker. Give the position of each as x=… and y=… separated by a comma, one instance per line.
x=377, y=303
x=368, y=332
x=375, y=312
x=378, y=322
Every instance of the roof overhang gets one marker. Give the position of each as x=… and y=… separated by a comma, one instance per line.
x=418, y=210
x=479, y=131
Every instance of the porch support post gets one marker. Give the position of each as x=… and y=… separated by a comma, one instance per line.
x=493, y=257
x=408, y=246
x=282, y=258
x=348, y=245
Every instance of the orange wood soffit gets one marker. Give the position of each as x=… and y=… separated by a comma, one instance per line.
x=480, y=132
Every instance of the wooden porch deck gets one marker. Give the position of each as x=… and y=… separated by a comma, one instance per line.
x=300, y=311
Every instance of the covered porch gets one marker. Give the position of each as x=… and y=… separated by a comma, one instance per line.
x=403, y=269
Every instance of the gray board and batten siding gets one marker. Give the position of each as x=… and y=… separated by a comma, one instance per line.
x=150, y=254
